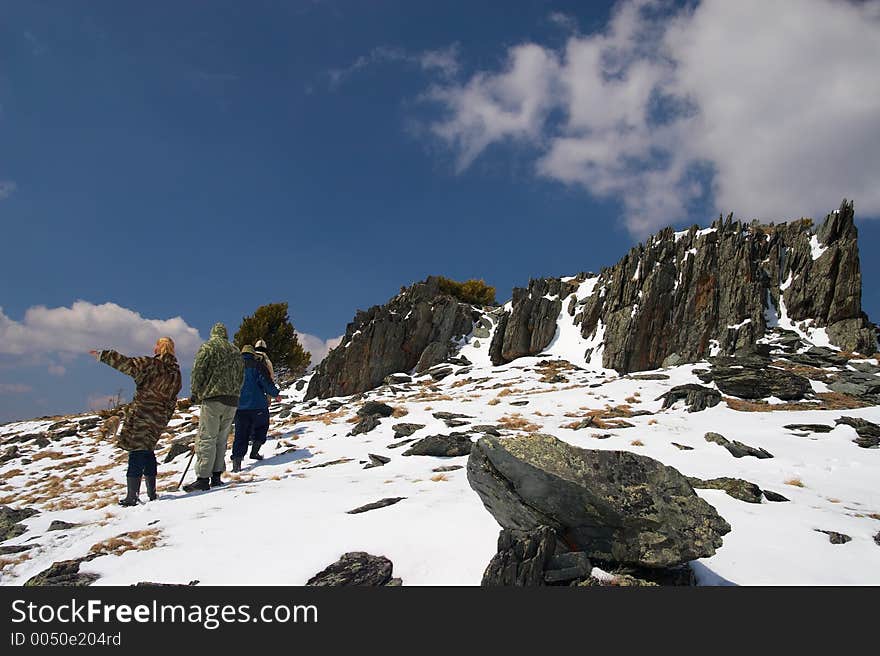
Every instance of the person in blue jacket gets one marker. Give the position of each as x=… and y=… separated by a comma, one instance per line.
x=252, y=416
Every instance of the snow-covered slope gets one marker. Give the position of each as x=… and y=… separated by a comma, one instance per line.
x=285, y=518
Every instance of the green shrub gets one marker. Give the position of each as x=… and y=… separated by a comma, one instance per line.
x=475, y=292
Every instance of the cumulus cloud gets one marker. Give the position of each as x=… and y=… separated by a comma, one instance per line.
x=64, y=332
x=15, y=388
x=443, y=61
x=318, y=347
x=7, y=188
x=770, y=109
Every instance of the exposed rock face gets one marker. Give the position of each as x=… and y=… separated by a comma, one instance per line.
x=522, y=558
x=413, y=328
x=613, y=505
x=696, y=397
x=531, y=324
x=680, y=294
x=456, y=444
x=63, y=573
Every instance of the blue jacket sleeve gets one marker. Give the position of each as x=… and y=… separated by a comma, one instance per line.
x=267, y=385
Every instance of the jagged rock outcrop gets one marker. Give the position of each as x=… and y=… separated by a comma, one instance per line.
x=356, y=568
x=529, y=327
x=681, y=294
x=413, y=330
x=615, y=506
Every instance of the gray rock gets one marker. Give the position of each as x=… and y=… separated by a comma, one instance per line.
x=10, y=518
x=456, y=423
x=397, y=445
x=774, y=496
x=834, y=537
x=382, y=503
x=405, y=430
x=735, y=487
x=63, y=573
x=17, y=548
x=695, y=397
x=682, y=447
x=377, y=461
x=809, y=428
x=868, y=432
x=737, y=449
x=446, y=468
x=374, y=409
x=434, y=354
x=521, y=558
x=613, y=505
x=756, y=380
x=450, y=415
x=356, y=568
x=456, y=444
x=398, y=379
x=440, y=373
x=365, y=425
x=486, y=429
x=58, y=525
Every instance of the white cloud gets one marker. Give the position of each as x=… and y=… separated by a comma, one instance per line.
x=15, y=388
x=7, y=188
x=443, y=61
x=318, y=347
x=57, y=369
x=64, y=332
x=780, y=100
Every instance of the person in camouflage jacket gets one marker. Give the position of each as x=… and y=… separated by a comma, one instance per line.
x=217, y=376
x=157, y=381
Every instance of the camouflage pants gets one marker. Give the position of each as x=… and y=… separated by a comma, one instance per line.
x=215, y=422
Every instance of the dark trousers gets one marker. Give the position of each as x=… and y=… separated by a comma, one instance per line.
x=250, y=425
x=141, y=463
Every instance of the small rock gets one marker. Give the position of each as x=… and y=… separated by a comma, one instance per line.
x=397, y=445
x=773, y=496
x=365, y=425
x=446, y=468
x=737, y=449
x=63, y=573
x=486, y=429
x=450, y=415
x=356, y=568
x=58, y=525
x=374, y=408
x=177, y=448
x=519, y=403
x=834, y=537
x=377, y=461
x=696, y=397
x=735, y=487
x=382, y=503
x=682, y=447
x=10, y=526
x=405, y=430
x=456, y=444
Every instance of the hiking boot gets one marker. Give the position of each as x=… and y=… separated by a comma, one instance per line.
x=216, y=480
x=255, y=453
x=198, y=485
x=134, y=489
x=236, y=464
x=151, y=487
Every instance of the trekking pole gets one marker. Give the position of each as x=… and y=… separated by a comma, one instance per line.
x=191, y=455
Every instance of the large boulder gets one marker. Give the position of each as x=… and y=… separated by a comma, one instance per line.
x=755, y=379
x=615, y=506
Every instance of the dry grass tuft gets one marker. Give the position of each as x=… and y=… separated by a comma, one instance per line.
x=637, y=443
x=439, y=477
x=795, y=482
x=827, y=401
x=517, y=422
x=399, y=411
x=131, y=541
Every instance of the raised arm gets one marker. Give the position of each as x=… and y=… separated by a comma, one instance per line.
x=129, y=366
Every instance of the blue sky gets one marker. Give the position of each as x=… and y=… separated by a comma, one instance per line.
x=196, y=160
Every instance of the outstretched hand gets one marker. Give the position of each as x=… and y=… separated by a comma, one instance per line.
x=95, y=354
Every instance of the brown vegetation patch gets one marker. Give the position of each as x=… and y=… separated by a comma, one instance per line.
x=794, y=482
x=517, y=422
x=326, y=417
x=439, y=477
x=131, y=541
x=813, y=373
x=827, y=401
x=399, y=411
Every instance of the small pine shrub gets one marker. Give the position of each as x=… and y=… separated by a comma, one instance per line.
x=475, y=292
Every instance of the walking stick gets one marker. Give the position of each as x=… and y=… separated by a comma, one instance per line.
x=191, y=455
